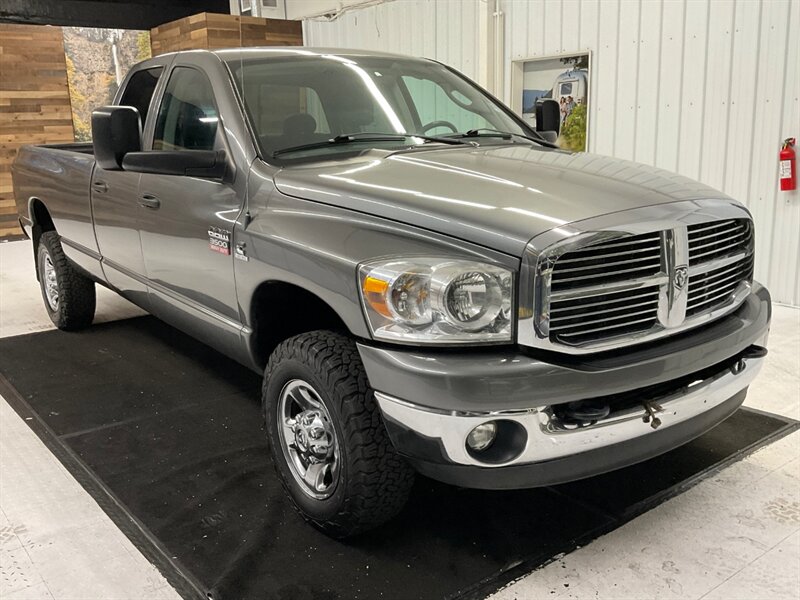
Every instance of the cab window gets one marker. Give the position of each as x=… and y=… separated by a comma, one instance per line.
x=275, y=105
x=454, y=110
x=187, y=118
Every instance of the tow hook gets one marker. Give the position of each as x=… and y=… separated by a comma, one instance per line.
x=749, y=352
x=651, y=409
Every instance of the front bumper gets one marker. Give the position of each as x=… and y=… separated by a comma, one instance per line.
x=431, y=401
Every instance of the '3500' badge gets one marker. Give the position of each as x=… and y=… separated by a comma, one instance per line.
x=219, y=240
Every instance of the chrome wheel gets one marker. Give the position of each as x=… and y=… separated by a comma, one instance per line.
x=50, y=282
x=308, y=439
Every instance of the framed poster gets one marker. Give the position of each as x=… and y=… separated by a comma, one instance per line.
x=97, y=61
x=563, y=78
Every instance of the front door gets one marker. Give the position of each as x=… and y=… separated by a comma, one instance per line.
x=186, y=223
x=116, y=208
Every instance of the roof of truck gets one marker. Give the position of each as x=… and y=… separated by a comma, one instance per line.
x=228, y=54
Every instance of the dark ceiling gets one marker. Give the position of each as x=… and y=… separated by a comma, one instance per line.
x=118, y=14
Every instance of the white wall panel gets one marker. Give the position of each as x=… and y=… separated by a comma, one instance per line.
x=648, y=80
x=707, y=88
x=603, y=104
x=445, y=30
x=670, y=89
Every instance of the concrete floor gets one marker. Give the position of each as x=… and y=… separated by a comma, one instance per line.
x=735, y=535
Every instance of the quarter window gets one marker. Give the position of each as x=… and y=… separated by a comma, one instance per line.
x=187, y=118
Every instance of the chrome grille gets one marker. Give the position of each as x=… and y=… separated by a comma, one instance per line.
x=708, y=241
x=712, y=285
x=583, y=306
x=607, y=262
x=585, y=318
x=597, y=290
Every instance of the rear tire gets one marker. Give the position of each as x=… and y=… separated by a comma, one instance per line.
x=69, y=296
x=360, y=481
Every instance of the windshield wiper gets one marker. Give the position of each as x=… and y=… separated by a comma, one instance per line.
x=505, y=135
x=348, y=138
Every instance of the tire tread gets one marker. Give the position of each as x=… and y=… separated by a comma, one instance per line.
x=379, y=479
x=77, y=294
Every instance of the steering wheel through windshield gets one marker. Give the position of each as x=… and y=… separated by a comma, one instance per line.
x=434, y=124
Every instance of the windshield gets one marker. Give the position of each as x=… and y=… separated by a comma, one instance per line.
x=306, y=100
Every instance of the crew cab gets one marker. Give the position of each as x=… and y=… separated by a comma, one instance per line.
x=426, y=283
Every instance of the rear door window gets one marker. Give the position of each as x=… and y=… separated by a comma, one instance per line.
x=139, y=91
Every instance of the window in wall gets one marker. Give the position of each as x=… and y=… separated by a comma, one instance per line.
x=187, y=118
x=139, y=91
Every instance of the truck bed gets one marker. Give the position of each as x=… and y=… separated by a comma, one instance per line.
x=80, y=147
x=60, y=176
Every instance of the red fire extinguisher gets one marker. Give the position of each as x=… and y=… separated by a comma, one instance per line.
x=788, y=166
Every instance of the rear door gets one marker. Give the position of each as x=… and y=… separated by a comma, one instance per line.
x=187, y=223
x=115, y=204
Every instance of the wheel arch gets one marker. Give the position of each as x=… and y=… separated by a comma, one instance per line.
x=41, y=222
x=279, y=310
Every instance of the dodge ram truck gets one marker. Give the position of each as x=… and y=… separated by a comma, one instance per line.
x=425, y=281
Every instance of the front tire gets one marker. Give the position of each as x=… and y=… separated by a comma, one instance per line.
x=69, y=296
x=329, y=445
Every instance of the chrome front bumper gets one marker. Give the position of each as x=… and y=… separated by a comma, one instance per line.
x=548, y=438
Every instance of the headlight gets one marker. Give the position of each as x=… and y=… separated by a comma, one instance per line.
x=437, y=300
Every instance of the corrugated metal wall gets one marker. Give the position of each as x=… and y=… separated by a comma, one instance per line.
x=444, y=30
x=707, y=88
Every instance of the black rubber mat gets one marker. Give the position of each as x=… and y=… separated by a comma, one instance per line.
x=166, y=434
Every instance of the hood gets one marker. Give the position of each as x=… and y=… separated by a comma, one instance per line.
x=499, y=197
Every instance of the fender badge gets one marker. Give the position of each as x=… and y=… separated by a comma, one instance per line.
x=219, y=240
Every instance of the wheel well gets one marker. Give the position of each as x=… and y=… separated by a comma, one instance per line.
x=281, y=310
x=42, y=222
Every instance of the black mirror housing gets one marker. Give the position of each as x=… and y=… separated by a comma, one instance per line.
x=116, y=131
x=549, y=136
x=548, y=116
x=191, y=163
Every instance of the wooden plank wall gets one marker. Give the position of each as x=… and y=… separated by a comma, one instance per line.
x=214, y=31
x=34, y=101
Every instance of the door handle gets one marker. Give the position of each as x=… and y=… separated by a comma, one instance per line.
x=150, y=201
x=100, y=186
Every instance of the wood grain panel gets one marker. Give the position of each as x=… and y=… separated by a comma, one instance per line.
x=34, y=101
x=214, y=31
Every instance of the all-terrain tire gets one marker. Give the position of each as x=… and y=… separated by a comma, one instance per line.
x=373, y=480
x=76, y=298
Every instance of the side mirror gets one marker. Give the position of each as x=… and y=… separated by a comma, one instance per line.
x=548, y=116
x=116, y=131
x=191, y=163
x=549, y=136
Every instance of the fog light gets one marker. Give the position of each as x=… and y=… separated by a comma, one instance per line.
x=482, y=436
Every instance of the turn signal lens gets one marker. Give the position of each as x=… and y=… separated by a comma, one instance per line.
x=375, y=294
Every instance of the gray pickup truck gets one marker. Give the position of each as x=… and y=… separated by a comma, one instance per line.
x=426, y=283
